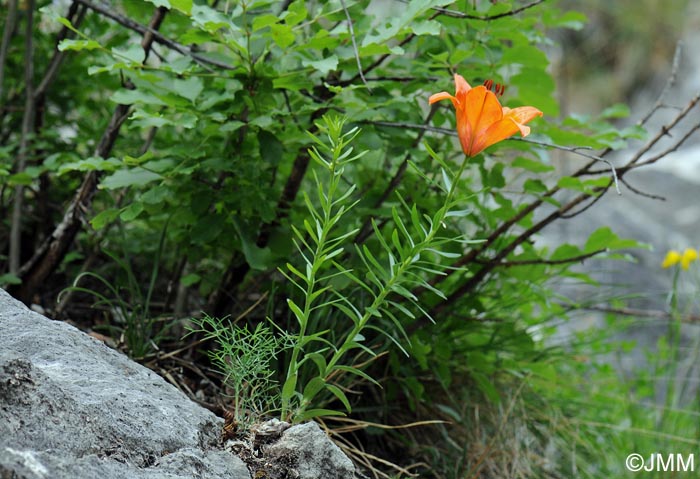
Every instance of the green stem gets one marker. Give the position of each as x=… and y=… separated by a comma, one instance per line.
x=673, y=336
x=317, y=262
x=400, y=270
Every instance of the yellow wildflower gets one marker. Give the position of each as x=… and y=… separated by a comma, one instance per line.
x=674, y=257
x=689, y=255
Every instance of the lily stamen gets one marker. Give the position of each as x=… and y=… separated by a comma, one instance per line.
x=498, y=88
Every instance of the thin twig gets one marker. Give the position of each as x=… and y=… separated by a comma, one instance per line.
x=639, y=192
x=643, y=313
x=27, y=122
x=6, y=37
x=670, y=81
x=663, y=131
x=668, y=150
x=594, y=199
x=577, y=150
x=52, y=251
x=403, y=79
x=354, y=46
x=572, y=259
x=487, y=18
x=366, y=229
x=58, y=56
x=157, y=37
x=410, y=126
x=381, y=59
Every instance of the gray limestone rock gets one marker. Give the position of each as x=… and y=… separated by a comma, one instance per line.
x=309, y=454
x=71, y=407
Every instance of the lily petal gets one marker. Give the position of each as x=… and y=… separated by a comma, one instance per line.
x=497, y=131
x=443, y=95
x=521, y=115
x=482, y=110
x=461, y=87
x=481, y=120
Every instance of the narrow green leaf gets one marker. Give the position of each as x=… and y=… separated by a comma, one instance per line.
x=357, y=372
x=131, y=177
x=312, y=388
x=289, y=387
x=320, y=362
x=337, y=392
x=104, y=218
x=132, y=211
x=312, y=413
x=297, y=312
x=77, y=45
x=446, y=180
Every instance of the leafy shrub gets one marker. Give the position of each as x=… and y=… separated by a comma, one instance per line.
x=406, y=281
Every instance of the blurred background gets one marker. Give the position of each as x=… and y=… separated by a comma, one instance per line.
x=625, y=54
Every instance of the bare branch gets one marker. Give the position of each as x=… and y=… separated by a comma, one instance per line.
x=642, y=313
x=670, y=81
x=663, y=131
x=594, y=199
x=6, y=37
x=27, y=122
x=58, y=56
x=572, y=259
x=52, y=251
x=668, y=150
x=157, y=37
x=487, y=18
x=641, y=193
x=366, y=229
x=354, y=46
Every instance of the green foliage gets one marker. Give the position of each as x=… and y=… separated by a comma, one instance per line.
x=405, y=271
x=127, y=301
x=245, y=359
x=611, y=407
x=410, y=248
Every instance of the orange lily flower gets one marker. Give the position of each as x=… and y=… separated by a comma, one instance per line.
x=481, y=120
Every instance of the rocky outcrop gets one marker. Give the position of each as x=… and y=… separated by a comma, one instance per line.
x=310, y=454
x=71, y=407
